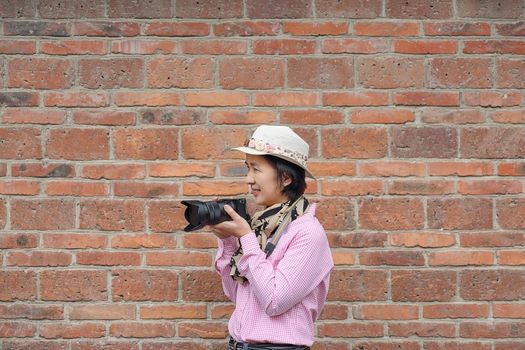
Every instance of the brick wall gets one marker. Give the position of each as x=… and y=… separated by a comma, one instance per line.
x=112, y=111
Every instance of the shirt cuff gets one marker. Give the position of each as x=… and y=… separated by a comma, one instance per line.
x=249, y=243
x=228, y=245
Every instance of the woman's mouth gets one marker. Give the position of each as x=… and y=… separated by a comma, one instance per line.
x=255, y=192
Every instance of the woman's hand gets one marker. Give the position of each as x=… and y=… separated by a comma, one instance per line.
x=238, y=227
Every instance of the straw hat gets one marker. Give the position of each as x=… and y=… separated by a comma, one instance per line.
x=278, y=141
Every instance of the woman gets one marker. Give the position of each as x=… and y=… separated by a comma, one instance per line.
x=275, y=268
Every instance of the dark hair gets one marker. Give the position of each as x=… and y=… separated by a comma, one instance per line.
x=297, y=174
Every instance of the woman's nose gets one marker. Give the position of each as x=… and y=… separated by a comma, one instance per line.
x=249, y=178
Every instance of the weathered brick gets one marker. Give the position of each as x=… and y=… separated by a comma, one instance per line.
x=74, y=47
x=318, y=28
x=113, y=171
x=111, y=73
x=461, y=258
x=397, y=213
x=251, y=73
x=40, y=73
x=484, y=187
x=209, y=9
x=396, y=258
x=112, y=215
x=212, y=143
x=151, y=9
x=355, y=46
x=492, y=239
x=39, y=258
x=106, y=29
x=74, y=240
x=180, y=72
x=177, y=29
x=510, y=73
x=357, y=187
x=146, y=143
x=348, y=9
x=178, y=258
x=173, y=311
x=171, y=116
x=385, y=312
x=323, y=73
x=456, y=311
x=456, y=28
x=69, y=330
x=22, y=285
x=426, y=98
x=20, y=143
x=76, y=99
x=423, y=285
x=429, y=142
x=214, y=47
x=71, y=9
x=354, y=142
x=460, y=73
x=73, y=285
x=149, y=240
x=378, y=28
x=31, y=116
x=278, y=9
x=433, y=329
x=358, y=285
x=241, y=117
x=422, y=239
x=75, y=188
x=336, y=213
x=432, y=9
x=15, y=240
x=457, y=213
x=101, y=312
x=78, y=144
x=42, y=214
x=490, y=9
x=492, y=142
x=492, y=329
x=492, y=284
x=421, y=187
x=144, y=285
x=108, y=258
x=32, y=311
x=202, y=285
x=27, y=344
x=16, y=9
x=143, y=47
x=17, y=330
x=38, y=28
x=216, y=99
x=166, y=216
x=145, y=190
x=245, y=28
x=425, y=47
x=206, y=330
x=351, y=330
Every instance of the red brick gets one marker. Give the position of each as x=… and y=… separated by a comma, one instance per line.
x=214, y=47
x=391, y=168
x=149, y=240
x=492, y=285
x=511, y=257
x=336, y=213
x=489, y=9
x=334, y=168
x=348, y=9
x=421, y=187
x=317, y=28
x=418, y=329
x=76, y=9
x=52, y=170
x=202, y=285
x=456, y=311
x=112, y=215
x=358, y=285
x=75, y=188
x=40, y=73
x=199, y=240
x=214, y=188
x=176, y=345
x=492, y=142
x=425, y=47
x=152, y=9
x=17, y=329
x=382, y=116
x=343, y=257
x=180, y=72
x=19, y=187
x=104, y=345
x=508, y=116
x=426, y=98
x=3, y=169
x=20, y=143
x=74, y=240
x=108, y=258
x=216, y=99
x=78, y=144
x=457, y=28
x=111, y=73
x=105, y=28
x=509, y=345
x=357, y=240
x=146, y=98
x=453, y=345
x=356, y=46
x=251, y=73
x=101, y=312
x=284, y=47
x=219, y=311
x=32, y=311
x=284, y=99
x=73, y=285
x=448, y=116
x=386, y=28
x=354, y=142
x=204, y=330
x=457, y=213
x=509, y=212
x=16, y=9
x=173, y=312
x=396, y=258
x=398, y=213
x=510, y=29
x=113, y=171
x=245, y=28
x=42, y=214
x=104, y=118
x=36, y=28
x=171, y=116
x=351, y=330
x=423, y=285
x=357, y=187
x=390, y=72
x=455, y=168
x=178, y=258
x=142, y=330
x=328, y=73
x=38, y=258
x=74, y=47
x=494, y=46
x=366, y=98
x=388, y=345
x=334, y=312
x=278, y=9
x=212, y=143
x=144, y=46
x=148, y=144
x=22, y=285
x=510, y=73
x=508, y=310
x=166, y=216
x=385, y=312
x=241, y=117
x=19, y=99
x=70, y=331
x=422, y=239
x=490, y=187
x=177, y=29
x=144, y=285
x=460, y=73
x=492, y=330
x=432, y=9
x=16, y=240
x=31, y=116
x=492, y=239
x=209, y=9
x=145, y=190
x=76, y=99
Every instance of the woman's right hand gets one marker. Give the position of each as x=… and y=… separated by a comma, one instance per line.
x=216, y=231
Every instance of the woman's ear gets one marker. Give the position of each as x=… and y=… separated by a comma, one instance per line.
x=286, y=180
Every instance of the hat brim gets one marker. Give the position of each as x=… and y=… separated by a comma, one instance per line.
x=261, y=153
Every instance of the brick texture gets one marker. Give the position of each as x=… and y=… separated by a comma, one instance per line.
x=112, y=112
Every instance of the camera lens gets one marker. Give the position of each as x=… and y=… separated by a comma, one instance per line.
x=198, y=214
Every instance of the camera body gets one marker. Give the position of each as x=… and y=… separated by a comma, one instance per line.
x=199, y=214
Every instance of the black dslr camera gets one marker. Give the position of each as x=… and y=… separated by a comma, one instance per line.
x=200, y=214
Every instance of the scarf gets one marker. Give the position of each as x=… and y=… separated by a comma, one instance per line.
x=268, y=225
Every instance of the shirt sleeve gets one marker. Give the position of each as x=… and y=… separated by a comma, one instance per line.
x=306, y=262
x=227, y=248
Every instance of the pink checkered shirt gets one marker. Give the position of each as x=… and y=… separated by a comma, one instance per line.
x=285, y=293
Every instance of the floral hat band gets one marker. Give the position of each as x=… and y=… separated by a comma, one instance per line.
x=261, y=145
x=279, y=141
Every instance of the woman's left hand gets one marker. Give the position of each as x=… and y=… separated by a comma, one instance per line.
x=238, y=227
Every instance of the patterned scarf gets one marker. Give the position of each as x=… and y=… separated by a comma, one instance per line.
x=268, y=225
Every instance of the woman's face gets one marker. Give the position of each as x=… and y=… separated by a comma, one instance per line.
x=263, y=182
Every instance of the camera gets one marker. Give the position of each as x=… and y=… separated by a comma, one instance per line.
x=199, y=214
